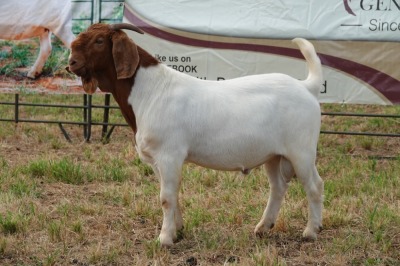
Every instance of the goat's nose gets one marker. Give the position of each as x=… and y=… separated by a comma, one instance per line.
x=71, y=62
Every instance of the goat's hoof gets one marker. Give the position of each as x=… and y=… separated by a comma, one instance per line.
x=165, y=241
x=259, y=231
x=261, y=234
x=262, y=230
x=166, y=244
x=31, y=75
x=310, y=234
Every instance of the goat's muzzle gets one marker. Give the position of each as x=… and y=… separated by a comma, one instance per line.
x=71, y=66
x=76, y=68
x=88, y=82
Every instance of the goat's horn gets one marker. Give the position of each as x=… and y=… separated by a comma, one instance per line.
x=125, y=26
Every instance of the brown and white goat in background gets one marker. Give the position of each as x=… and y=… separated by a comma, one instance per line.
x=233, y=125
x=22, y=19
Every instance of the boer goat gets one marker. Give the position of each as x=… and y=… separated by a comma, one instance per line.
x=21, y=19
x=233, y=125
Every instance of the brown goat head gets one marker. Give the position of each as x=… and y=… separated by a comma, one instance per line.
x=103, y=54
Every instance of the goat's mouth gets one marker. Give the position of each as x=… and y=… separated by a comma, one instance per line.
x=80, y=71
x=89, y=84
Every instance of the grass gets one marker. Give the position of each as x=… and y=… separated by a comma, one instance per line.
x=9, y=224
x=21, y=54
x=97, y=204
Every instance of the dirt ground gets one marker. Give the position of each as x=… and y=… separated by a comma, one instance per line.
x=54, y=84
x=114, y=227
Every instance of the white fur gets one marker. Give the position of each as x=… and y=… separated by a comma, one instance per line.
x=22, y=19
x=237, y=124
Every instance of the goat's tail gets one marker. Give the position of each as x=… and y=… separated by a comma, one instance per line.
x=314, y=79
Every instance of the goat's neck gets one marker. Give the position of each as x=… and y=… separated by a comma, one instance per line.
x=152, y=84
x=121, y=95
x=120, y=89
x=107, y=80
x=125, y=88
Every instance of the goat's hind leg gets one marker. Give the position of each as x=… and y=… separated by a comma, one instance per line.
x=279, y=171
x=314, y=186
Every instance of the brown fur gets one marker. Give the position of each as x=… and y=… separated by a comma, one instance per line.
x=109, y=59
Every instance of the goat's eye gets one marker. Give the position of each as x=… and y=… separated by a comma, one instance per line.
x=99, y=41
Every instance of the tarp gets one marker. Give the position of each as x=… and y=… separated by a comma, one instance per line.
x=357, y=41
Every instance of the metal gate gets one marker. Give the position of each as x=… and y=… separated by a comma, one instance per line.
x=88, y=12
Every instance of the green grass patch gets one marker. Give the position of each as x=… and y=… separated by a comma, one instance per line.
x=9, y=223
x=64, y=170
x=24, y=54
x=19, y=56
x=98, y=204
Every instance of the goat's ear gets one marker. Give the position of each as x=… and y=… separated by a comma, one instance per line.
x=125, y=54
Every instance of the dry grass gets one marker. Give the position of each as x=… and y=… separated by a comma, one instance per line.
x=94, y=204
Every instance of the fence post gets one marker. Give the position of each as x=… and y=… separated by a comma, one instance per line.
x=85, y=127
x=89, y=118
x=16, y=110
x=106, y=114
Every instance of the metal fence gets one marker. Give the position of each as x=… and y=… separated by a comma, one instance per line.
x=87, y=119
x=375, y=134
x=107, y=127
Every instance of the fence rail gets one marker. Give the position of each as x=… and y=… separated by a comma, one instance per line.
x=374, y=134
x=87, y=119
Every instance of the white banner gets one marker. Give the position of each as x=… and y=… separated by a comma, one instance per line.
x=355, y=39
x=312, y=19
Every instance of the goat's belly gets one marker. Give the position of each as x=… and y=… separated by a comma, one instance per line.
x=20, y=32
x=230, y=159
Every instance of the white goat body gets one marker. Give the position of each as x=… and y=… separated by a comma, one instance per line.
x=237, y=124
x=21, y=19
x=228, y=125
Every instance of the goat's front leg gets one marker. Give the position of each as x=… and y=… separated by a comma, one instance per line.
x=45, y=51
x=170, y=178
